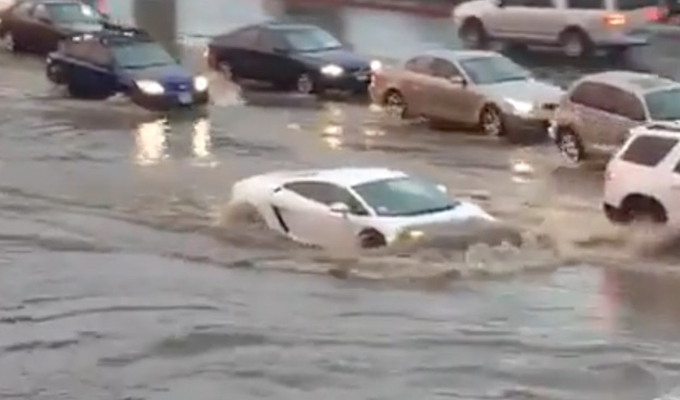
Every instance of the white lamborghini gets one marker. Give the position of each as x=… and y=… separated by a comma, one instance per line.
x=371, y=207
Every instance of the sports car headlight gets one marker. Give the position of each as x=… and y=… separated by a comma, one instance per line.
x=409, y=234
x=376, y=65
x=520, y=107
x=150, y=87
x=200, y=83
x=332, y=70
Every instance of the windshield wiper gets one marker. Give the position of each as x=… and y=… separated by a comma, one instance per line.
x=429, y=210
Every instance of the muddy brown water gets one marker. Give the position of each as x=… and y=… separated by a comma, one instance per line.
x=120, y=280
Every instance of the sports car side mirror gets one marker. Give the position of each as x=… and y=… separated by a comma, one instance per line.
x=340, y=208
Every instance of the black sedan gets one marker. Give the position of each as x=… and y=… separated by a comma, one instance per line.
x=297, y=57
x=38, y=25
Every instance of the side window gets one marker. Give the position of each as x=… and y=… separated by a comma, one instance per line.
x=248, y=37
x=586, y=4
x=626, y=104
x=270, y=40
x=648, y=150
x=40, y=12
x=327, y=194
x=421, y=65
x=444, y=69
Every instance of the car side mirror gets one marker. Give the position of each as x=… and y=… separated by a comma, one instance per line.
x=340, y=208
x=458, y=81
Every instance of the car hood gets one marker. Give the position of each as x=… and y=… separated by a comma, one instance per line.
x=341, y=57
x=529, y=91
x=163, y=73
x=81, y=27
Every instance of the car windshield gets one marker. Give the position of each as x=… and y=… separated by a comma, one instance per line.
x=310, y=39
x=141, y=55
x=664, y=105
x=73, y=12
x=404, y=197
x=495, y=69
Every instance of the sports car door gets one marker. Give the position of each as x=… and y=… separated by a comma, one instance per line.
x=303, y=208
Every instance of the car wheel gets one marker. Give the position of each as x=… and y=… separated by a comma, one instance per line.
x=640, y=208
x=616, y=215
x=304, y=84
x=575, y=43
x=570, y=146
x=9, y=43
x=55, y=74
x=491, y=121
x=371, y=239
x=473, y=34
x=395, y=104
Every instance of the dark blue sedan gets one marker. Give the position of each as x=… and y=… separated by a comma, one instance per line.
x=128, y=61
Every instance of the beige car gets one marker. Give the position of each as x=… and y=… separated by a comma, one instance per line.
x=476, y=88
x=596, y=114
x=578, y=27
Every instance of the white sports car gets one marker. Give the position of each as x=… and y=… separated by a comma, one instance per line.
x=371, y=207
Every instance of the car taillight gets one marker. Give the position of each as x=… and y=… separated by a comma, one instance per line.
x=653, y=14
x=614, y=19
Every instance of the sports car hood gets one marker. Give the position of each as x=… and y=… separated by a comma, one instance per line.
x=161, y=73
x=341, y=57
x=529, y=91
x=81, y=27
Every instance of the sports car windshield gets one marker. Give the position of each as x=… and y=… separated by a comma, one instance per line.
x=494, y=69
x=73, y=13
x=664, y=105
x=142, y=55
x=404, y=197
x=311, y=39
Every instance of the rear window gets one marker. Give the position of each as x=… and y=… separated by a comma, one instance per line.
x=648, y=150
x=626, y=5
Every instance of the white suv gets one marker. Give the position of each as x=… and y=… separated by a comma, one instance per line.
x=642, y=181
x=579, y=27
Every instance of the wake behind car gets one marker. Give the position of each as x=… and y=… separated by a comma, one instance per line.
x=477, y=88
x=303, y=58
x=371, y=207
x=37, y=26
x=127, y=61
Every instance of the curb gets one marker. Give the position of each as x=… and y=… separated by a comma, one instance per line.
x=413, y=7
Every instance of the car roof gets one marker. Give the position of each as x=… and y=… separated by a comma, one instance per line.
x=348, y=176
x=457, y=55
x=638, y=82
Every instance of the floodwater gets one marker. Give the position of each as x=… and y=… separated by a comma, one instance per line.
x=121, y=281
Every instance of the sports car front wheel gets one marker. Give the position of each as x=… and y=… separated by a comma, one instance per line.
x=371, y=239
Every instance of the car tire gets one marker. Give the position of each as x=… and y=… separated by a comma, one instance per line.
x=304, y=84
x=55, y=74
x=570, y=146
x=575, y=43
x=79, y=92
x=491, y=121
x=639, y=208
x=473, y=34
x=615, y=215
x=395, y=105
x=371, y=239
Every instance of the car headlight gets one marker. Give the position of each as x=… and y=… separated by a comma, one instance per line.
x=150, y=87
x=200, y=83
x=376, y=65
x=332, y=70
x=409, y=234
x=521, y=107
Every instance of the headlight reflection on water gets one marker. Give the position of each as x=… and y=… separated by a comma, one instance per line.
x=201, y=142
x=151, y=142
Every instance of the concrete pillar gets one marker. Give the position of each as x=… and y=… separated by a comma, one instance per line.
x=159, y=17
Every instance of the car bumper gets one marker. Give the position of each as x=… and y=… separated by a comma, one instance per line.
x=351, y=83
x=632, y=39
x=521, y=126
x=170, y=101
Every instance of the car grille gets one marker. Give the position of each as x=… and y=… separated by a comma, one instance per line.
x=550, y=106
x=178, y=86
x=358, y=70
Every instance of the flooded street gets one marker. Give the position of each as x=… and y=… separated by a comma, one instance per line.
x=121, y=281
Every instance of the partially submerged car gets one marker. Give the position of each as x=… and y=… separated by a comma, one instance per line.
x=478, y=88
x=596, y=114
x=37, y=26
x=374, y=207
x=127, y=61
x=296, y=57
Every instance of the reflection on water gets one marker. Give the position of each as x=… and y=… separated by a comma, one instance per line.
x=201, y=142
x=151, y=142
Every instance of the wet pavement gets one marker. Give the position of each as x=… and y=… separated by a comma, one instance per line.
x=120, y=280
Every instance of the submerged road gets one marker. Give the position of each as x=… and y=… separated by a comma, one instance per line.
x=121, y=282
